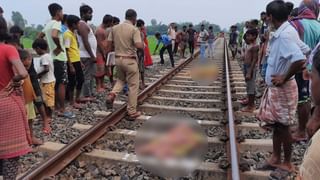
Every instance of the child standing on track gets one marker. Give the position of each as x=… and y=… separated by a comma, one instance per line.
x=46, y=76
x=16, y=34
x=249, y=67
x=29, y=95
x=75, y=73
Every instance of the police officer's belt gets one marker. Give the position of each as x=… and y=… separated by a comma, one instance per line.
x=126, y=57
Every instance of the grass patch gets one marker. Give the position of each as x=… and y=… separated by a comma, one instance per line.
x=152, y=43
x=27, y=43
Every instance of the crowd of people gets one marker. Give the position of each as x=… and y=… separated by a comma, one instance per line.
x=68, y=66
x=284, y=48
x=175, y=41
x=71, y=55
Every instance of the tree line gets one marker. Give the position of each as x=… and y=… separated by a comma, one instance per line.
x=31, y=31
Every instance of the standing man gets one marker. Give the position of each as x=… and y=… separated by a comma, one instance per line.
x=264, y=26
x=191, y=33
x=233, y=43
x=308, y=28
x=203, y=37
x=102, y=35
x=167, y=45
x=211, y=39
x=279, y=102
x=177, y=41
x=172, y=34
x=126, y=39
x=54, y=36
x=140, y=54
x=88, y=49
x=183, y=35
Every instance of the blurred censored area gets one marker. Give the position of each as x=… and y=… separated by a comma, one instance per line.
x=204, y=73
x=171, y=145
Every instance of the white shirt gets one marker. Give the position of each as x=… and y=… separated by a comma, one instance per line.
x=284, y=49
x=172, y=33
x=46, y=60
x=203, y=35
x=92, y=41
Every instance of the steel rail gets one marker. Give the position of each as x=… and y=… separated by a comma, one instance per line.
x=235, y=174
x=70, y=152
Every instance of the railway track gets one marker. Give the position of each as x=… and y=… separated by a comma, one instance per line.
x=229, y=133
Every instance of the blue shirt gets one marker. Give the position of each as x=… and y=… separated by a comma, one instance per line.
x=311, y=34
x=283, y=52
x=64, y=28
x=165, y=40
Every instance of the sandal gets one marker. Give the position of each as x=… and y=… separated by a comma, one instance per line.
x=68, y=115
x=47, y=131
x=279, y=174
x=265, y=166
x=77, y=106
x=83, y=100
x=296, y=138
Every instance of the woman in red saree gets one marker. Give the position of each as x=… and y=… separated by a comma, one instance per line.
x=14, y=130
x=147, y=56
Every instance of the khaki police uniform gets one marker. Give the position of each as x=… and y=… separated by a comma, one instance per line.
x=124, y=36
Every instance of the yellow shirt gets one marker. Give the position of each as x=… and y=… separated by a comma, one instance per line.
x=71, y=43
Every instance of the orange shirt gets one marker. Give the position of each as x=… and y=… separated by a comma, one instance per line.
x=29, y=94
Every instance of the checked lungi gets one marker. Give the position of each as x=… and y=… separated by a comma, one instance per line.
x=279, y=104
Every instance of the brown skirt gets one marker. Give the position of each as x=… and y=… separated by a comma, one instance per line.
x=14, y=129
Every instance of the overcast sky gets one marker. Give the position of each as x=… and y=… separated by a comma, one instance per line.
x=221, y=12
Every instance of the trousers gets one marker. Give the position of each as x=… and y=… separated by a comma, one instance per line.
x=169, y=49
x=128, y=72
x=89, y=73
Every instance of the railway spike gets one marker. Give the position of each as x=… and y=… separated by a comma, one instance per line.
x=88, y=148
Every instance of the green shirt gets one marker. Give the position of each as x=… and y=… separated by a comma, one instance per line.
x=53, y=24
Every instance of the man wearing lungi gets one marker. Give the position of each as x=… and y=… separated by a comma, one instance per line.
x=279, y=102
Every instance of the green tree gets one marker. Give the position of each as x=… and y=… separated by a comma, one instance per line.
x=18, y=19
x=39, y=27
x=30, y=33
x=154, y=22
